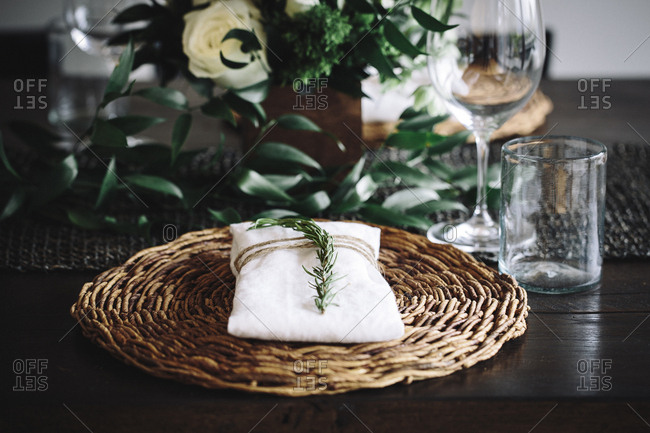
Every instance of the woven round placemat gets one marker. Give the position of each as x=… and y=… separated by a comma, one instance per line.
x=166, y=309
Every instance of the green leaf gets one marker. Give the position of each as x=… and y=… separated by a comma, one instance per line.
x=40, y=139
x=346, y=80
x=443, y=144
x=109, y=183
x=216, y=107
x=154, y=183
x=253, y=183
x=202, y=86
x=226, y=216
x=14, y=203
x=409, y=198
x=411, y=140
x=137, y=12
x=275, y=214
x=420, y=122
x=144, y=227
x=465, y=178
x=252, y=111
x=230, y=63
x=412, y=176
x=171, y=98
x=349, y=181
x=85, y=219
x=219, y=149
x=373, y=53
x=494, y=198
x=297, y=122
x=409, y=113
x=53, y=182
x=314, y=203
x=255, y=93
x=361, y=6
x=5, y=160
x=111, y=96
x=283, y=181
x=380, y=215
x=120, y=75
x=432, y=206
x=362, y=191
x=397, y=39
x=131, y=125
x=105, y=134
x=248, y=39
x=279, y=152
x=438, y=169
x=429, y=22
x=179, y=134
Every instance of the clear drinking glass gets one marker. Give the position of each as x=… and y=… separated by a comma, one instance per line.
x=552, y=212
x=485, y=70
x=76, y=83
x=91, y=25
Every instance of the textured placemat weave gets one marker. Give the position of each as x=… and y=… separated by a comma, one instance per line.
x=165, y=311
x=36, y=244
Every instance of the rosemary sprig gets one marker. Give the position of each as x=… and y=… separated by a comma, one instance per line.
x=324, y=277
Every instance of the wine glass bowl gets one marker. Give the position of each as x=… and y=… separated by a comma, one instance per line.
x=485, y=69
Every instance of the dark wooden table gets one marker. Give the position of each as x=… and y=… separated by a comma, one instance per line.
x=583, y=364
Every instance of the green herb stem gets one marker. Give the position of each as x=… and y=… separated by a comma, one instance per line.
x=323, y=275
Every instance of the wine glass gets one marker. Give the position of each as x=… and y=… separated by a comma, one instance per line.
x=91, y=25
x=485, y=69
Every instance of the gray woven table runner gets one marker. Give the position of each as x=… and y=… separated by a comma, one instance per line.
x=35, y=244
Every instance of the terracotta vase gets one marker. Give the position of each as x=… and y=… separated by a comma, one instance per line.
x=333, y=111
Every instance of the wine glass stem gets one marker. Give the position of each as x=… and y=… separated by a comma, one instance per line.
x=483, y=152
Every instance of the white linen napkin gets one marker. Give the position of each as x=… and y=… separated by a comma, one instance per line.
x=273, y=298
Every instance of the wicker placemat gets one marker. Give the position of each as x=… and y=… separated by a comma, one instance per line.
x=165, y=311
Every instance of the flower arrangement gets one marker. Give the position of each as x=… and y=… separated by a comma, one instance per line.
x=245, y=46
x=231, y=52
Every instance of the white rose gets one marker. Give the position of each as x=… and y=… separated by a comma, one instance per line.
x=298, y=6
x=202, y=43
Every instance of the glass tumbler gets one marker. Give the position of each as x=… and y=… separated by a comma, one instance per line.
x=76, y=83
x=552, y=212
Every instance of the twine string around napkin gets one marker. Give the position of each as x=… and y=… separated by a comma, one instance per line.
x=340, y=241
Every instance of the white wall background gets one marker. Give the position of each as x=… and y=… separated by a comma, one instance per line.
x=599, y=38
x=592, y=38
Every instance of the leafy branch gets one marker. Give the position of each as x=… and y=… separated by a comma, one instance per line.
x=275, y=176
x=324, y=277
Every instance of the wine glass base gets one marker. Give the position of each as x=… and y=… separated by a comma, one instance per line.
x=469, y=236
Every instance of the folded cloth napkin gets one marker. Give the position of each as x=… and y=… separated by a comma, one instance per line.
x=273, y=298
